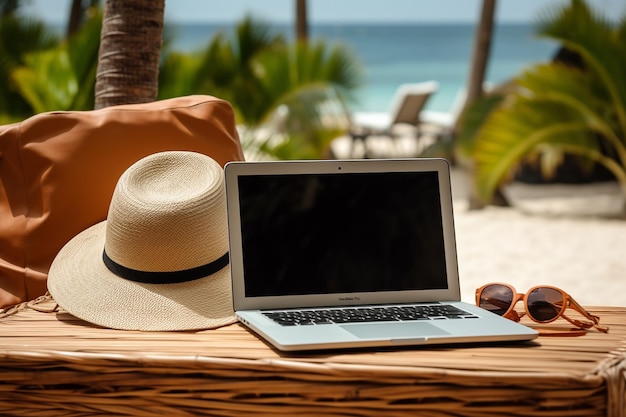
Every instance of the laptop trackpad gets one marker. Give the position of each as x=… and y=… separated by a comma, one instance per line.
x=393, y=330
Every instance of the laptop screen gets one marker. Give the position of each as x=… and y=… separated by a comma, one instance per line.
x=341, y=233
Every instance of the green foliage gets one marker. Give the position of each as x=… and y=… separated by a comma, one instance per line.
x=559, y=108
x=225, y=68
x=18, y=36
x=314, y=83
x=471, y=121
x=290, y=97
x=58, y=75
x=40, y=91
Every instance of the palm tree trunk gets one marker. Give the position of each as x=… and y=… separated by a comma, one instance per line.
x=482, y=47
x=302, y=24
x=480, y=59
x=130, y=49
x=77, y=15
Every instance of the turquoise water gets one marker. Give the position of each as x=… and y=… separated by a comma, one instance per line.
x=402, y=53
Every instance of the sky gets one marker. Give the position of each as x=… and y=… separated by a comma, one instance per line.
x=345, y=11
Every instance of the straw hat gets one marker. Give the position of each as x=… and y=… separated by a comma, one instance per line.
x=160, y=260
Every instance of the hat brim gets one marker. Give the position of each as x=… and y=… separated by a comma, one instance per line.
x=81, y=284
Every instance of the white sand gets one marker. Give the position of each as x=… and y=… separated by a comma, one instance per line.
x=586, y=257
x=555, y=239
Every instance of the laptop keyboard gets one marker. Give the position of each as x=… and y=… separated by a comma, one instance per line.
x=368, y=314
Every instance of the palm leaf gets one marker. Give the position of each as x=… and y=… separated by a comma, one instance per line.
x=63, y=77
x=549, y=111
x=46, y=81
x=18, y=36
x=601, y=46
x=500, y=149
x=313, y=81
x=576, y=90
x=285, y=90
x=470, y=122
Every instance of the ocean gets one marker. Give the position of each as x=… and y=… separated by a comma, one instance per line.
x=392, y=54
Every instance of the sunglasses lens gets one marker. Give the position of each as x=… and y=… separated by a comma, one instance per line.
x=496, y=298
x=544, y=304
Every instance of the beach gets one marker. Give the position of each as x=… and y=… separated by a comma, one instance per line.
x=569, y=236
x=585, y=255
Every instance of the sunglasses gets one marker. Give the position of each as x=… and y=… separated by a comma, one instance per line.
x=542, y=304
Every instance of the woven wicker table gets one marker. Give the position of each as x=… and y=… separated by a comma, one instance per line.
x=53, y=364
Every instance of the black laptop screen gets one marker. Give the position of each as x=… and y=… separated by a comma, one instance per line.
x=341, y=233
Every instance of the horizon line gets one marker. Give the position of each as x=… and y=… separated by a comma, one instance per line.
x=352, y=22
x=332, y=21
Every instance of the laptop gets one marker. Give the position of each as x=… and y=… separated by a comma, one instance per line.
x=349, y=254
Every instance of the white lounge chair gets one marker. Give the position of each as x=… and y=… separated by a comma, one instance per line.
x=406, y=106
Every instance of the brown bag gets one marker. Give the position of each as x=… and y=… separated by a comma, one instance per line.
x=58, y=171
